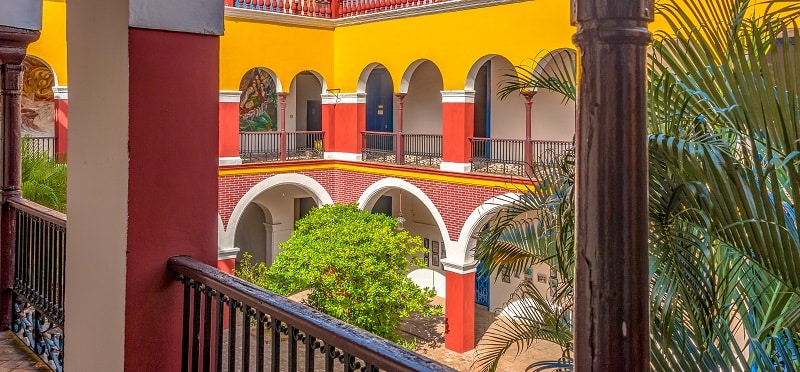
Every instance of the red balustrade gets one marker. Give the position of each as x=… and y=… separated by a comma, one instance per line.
x=327, y=8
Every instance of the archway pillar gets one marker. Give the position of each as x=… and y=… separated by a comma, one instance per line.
x=349, y=112
x=226, y=259
x=229, y=127
x=459, y=308
x=458, y=122
x=61, y=110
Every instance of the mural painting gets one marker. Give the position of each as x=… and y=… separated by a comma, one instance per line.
x=258, y=104
x=38, y=117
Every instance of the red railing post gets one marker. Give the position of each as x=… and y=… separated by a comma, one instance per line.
x=400, y=150
x=282, y=99
x=527, y=152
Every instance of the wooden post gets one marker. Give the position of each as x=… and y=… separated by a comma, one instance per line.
x=400, y=150
x=13, y=43
x=612, y=288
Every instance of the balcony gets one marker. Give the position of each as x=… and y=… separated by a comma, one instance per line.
x=328, y=9
x=281, y=146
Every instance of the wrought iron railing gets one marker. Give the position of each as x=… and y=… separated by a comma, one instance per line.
x=259, y=146
x=379, y=147
x=423, y=150
x=41, y=241
x=232, y=325
x=305, y=145
x=37, y=145
x=498, y=156
x=507, y=156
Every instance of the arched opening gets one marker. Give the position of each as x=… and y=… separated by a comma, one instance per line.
x=254, y=234
x=553, y=117
x=38, y=107
x=380, y=101
x=304, y=116
x=499, y=124
x=422, y=114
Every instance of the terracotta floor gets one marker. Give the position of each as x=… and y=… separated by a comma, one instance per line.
x=15, y=356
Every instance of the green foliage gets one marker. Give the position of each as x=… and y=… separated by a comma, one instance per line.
x=724, y=139
x=354, y=264
x=43, y=180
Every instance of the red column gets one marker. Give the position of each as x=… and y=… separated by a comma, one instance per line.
x=459, y=309
x=229, y=127
x=400, y=150
x=328, y=121
x=351, y=120
x=458, y=124
x=528, y=146
x=61, y=111
x=282, y=99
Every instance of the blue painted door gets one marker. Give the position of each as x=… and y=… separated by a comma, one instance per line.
x=380, y=107
x=481, y=286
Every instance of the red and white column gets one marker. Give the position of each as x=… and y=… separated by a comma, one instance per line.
x=143, y=154
x=458, y=124
x=229, y=127
x=349, y=112
x=459, y=308
x=61, y=110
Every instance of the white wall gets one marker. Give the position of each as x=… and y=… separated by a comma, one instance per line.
x=551, y=118
x=251, y=234
x=304, y=87
x=508, y=115
x=422, y=107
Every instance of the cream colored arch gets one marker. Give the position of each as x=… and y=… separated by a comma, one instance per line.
x=473, y=71
x=371, y=194
x=272, y=74
x=475, y=221
x=317, y=191
x=405, y=81
x=317, y=75
x=362, y=79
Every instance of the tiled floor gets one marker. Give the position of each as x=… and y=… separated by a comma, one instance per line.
x=16, y=357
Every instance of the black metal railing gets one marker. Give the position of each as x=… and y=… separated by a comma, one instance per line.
x=305, y=145
x=498, y=156
x=259, y=146
x=423, y=150
x=41, y=235
x=37, y=145
x=379, y=147
x=547, y=153
x=232, y=325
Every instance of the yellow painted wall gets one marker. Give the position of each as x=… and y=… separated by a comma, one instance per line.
x=52, y=45
x=284, y=49
x=454, y=41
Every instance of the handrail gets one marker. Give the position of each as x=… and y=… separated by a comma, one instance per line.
x=378, y=352
x=50, y=215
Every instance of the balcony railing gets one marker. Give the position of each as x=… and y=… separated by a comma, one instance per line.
x=506, y=156
x=421, y=150
x=36, y=145
x=269, y=146
x=38, y=287
x=232, y=325
x=329, y=8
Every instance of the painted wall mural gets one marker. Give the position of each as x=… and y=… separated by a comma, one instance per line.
x=38, y=118
x=258, y=104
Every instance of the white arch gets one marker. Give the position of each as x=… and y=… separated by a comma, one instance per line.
x=304, y=182
x=52, y=71
x=319, y=77
x=473, y=71
x=476, y=220
x=362, y=79
x=272, y=74
x=371, y=194
x=551, y=56
x=405, y=81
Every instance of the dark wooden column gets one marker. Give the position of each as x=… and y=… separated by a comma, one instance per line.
x=13, y=43
x=611, y=304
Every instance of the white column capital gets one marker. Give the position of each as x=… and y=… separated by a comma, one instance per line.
x=61, y=92
x=458, y=96
x=459, y=267
x=227, y=253
x=455, y=167
x=230, y=160
x=352, y=98
x=230, y=96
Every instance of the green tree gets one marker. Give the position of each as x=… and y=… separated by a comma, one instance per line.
x=724, y=139
x=43, y=180
x=354, y=264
